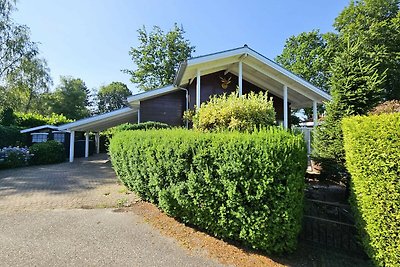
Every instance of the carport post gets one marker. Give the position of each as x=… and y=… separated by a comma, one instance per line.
x=71, y=146
x=285, y=106
x=86, y=144
x=97, y=140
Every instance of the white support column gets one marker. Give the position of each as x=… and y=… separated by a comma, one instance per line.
x=315, y=113
x=97, y=141
x=240, y=82
x=138, y=116
x=285, y=107
x=86, y=144
x=71, y=146
x=198, y=77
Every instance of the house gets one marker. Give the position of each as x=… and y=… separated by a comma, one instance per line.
x=200, y=77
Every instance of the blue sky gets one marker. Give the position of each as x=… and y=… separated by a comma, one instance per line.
x=90, y=39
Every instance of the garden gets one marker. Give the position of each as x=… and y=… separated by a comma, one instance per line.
x=243, y=182
x=13, y=150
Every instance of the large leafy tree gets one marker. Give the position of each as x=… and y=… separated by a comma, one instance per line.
x=71, y=98
x=112, y=97
x=158, y=56
x=15, y=43
x=307, y=55
x=27, y=83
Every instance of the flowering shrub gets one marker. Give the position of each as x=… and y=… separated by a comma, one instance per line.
x=13, y=157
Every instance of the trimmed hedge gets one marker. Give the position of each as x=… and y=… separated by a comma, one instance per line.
x=11, y=136
x=372, y=146
x=148, y=125
x=240, y=186
x=47, y=153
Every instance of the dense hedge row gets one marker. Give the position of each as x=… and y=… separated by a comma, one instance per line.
x=47, y=153
x=240, y=186
x=105, y=136
x=372, y=146
x=11, y=136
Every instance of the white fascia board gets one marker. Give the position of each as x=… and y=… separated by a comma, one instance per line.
x=289, y=74
x=93, y=119
x=152, y=93
x=39, y=128
x=216, y=56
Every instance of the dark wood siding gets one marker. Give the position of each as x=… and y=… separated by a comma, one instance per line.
x=211, y=85
x=168, y=108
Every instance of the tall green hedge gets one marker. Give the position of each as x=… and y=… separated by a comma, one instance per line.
x=372, y=146
x=11, y=136
x=240, y=186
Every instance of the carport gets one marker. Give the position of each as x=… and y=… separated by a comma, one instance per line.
x=97, y=124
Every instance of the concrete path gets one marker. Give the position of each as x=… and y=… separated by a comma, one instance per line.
x=42, y=222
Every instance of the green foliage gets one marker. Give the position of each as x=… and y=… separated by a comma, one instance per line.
x=158, y=56
x=47, y=153
x=71, y=99
x=148, y=125
x=105, y=136
x=376, y=24
x=232, y=112
x=29, y=120
x=372, y=146
x=356, y=89
x=11, y=136
x=307, y=55
x=239, y=186
x=15, y=43
x=28, y=83
x=7, y=117
x=112, y=97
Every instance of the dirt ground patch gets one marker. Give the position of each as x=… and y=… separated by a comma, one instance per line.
x=234, y=254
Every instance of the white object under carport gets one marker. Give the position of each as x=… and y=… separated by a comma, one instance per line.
x=96, y=124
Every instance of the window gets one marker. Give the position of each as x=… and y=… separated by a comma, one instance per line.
x=59, y=137
x=39, y=137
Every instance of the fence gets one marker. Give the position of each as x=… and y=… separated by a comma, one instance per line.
x=307, y=132
x=330, y=225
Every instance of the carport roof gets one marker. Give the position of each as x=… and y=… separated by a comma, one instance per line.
x=103, y=121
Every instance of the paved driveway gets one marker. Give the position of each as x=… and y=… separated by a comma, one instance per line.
x=61, y=215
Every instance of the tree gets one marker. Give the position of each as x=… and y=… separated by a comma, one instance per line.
x=27, y=82
x=158, y=56
x=306, y=55
x=71, y=98
x=376, y=22
x=112, y=97
x=15, y=43
x=356, y=87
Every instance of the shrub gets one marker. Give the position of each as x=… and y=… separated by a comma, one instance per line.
x=235, y=113
x=240, y=186
x=11, y=136
x=372, y=146
x=148, y=125
x=13, y=157
x=391, y=106
x=105, y=136
x=47, y=153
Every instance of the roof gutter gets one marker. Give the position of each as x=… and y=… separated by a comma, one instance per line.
x=179, y=75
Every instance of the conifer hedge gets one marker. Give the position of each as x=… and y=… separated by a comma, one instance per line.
x=372, y=146
x=239, y=186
